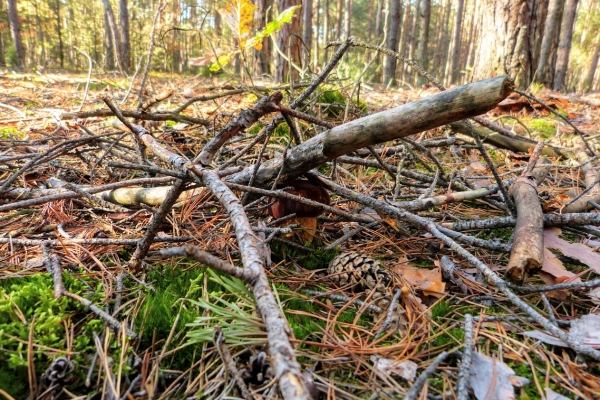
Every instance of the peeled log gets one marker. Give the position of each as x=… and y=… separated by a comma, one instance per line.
x=431, y=112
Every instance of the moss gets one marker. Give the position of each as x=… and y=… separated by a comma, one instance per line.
x=318, y=259
x=453, y=336
x=544, y=127
x=8, y=132
x=31, y=299
x=441, y=309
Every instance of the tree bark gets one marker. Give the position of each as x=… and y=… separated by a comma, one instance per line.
x=125, y=41
x=15, y=30
x=456, y=47
x=389, y=71
x=545, y=68
x=508, y=37
x=564, y=47
x=288, y=43
x=422, y=56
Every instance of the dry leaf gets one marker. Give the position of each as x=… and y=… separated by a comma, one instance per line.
x=421, y=278
x=577, y=251
x=552, y=395
x=491, y=379
x=553, y=266
x=405, y=369
x=585, y=330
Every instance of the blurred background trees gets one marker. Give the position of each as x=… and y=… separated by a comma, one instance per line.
x=551, y=43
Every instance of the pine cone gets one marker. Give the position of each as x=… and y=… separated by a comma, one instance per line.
x=357, y=270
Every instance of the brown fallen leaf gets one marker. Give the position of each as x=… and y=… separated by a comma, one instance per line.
x=577, y=251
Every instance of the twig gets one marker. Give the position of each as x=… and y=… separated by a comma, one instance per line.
x=219, y=340
x=390, y=314
x=113, y=322
x=53, y=267
x=415, y=390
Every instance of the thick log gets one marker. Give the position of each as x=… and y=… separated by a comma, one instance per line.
x=431, y=112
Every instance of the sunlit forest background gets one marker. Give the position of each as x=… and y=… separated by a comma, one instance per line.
x=556, y=42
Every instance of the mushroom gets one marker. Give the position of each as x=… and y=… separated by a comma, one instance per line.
x=306, y=215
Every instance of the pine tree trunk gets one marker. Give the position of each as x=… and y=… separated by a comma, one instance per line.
x=545, y=68
x=586, y=84
x=41, y=61
x=413, y=40
x=509, y=34
x=404, y=38
x=262, y=57
x=288, y=43
x=307, y=16
x=456, y=47
x=422, y=56
x=347, y=18
x=61, y=52
x=125, y=41
x=2, y=60
x=393, y=38
x=325, y=32
x=475, y=26
x=110, y=49
x=338, y=22
x=564, y=46
x=15, y=30
x=115, y=34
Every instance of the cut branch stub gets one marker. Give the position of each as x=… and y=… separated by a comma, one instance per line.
x=428, y=113
x=245, y=120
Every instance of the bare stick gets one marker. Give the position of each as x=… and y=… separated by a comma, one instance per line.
x=219, y=340
x=465, y=366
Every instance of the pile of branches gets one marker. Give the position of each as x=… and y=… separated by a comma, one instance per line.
x=198, y=178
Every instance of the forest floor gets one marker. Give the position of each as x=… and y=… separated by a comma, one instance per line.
x=353, y=345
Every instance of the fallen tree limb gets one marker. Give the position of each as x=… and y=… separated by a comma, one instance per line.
x=431, y=112
x=515, y=143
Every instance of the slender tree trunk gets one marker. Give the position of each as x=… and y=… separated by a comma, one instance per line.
x=110, y=45
x=586, y=84
x=413, y=39
x=15, y=30
x=315, y=40
x=347, y=18
x=404, y=39
x=389, y=71
x=2, y=59
x=370, y=20
x=307, y=17
x=288, y=43
x=438, y=34
x=61, y=52
x=422, y=55
x=115, y=34
x=564, y=46
x=339, y=16
x=125, y=41
x=456, y=47
x=325, y=32
x=545, y=69
x=475, y=26
x=41, y=61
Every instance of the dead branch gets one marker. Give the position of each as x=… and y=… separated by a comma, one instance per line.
x=428, y=113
